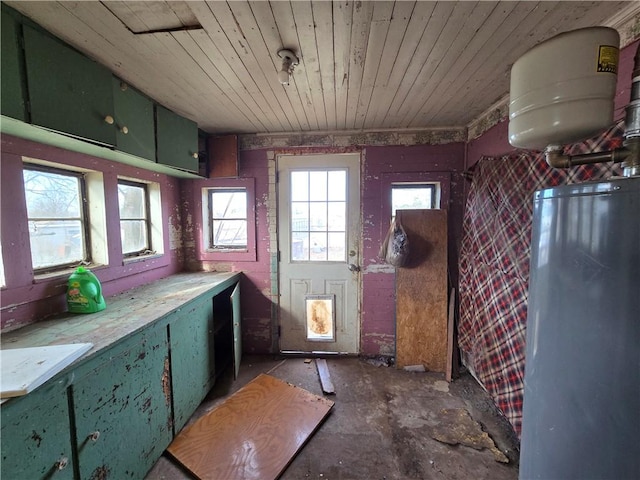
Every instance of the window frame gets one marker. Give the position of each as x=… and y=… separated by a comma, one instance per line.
x=85, y=219
x=433, y=186
x=201, y=191
x=149, y=249
x=225, y=248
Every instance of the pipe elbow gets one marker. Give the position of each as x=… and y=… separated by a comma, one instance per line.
x=556, y=159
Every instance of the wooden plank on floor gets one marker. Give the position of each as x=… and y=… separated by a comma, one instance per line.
x=452, y=358
x=325, y=376
x=255, y=433
x=421, y=292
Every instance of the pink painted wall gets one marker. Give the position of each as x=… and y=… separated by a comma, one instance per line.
x=382, y=167
x=256, y=282
x=25, y=300
x=495, y=141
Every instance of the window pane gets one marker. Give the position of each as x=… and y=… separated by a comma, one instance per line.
x=299, y=186
x=131, y=201
x=299, y=217
x=51, y=195
x=318, y=216
x=299, y=246
x=229, y=204
x=229, y=233
x=337, y=248
x=411, y=198
x=318, y=186
x=133, y=234
x=54, y=210
x=56, y=242
x=318, y=246
x=337, y=216
x=338, y=185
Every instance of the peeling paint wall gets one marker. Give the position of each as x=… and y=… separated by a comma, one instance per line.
x=382, y=165
x=26, y=300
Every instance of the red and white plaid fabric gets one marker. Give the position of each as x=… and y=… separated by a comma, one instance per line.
x=494, y=262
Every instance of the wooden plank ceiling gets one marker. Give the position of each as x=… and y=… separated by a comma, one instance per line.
x=364, y=65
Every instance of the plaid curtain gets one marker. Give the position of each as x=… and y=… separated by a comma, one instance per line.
x=494, y=262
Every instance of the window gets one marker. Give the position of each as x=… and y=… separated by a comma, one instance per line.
x=56, y=210
x=228, y=218
x=413, y=196
x=133, y=201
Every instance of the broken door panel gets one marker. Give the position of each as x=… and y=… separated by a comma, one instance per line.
x=123, y=408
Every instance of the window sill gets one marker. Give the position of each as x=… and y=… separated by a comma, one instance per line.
x=142, y=258
x=246, y=255
x=45, y=277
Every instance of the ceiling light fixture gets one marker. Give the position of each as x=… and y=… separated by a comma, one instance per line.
x=289, y=60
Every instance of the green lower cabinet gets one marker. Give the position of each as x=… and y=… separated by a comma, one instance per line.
x=192, y=358
x=122, y=408
x=36, y=440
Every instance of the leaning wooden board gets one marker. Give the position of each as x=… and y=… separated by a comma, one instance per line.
x=421, y=292
x=254, y=434
x=24, y=369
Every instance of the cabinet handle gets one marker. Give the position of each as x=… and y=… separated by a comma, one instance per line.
x=109, y=119
x=94, y=436
x=194, y=155
x=62, y=463
x=124, y=130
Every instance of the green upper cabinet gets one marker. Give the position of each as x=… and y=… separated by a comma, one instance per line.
x=133, y=114
x=68, y=92
x=177, y=140
x=12, y=88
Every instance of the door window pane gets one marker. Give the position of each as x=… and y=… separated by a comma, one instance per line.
x=337, y=185
x=318, y=215
x=300, y=246
x=55, y=210
x=317, y=185
x=299, y=186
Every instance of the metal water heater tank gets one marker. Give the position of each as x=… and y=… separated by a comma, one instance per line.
x=562, y=90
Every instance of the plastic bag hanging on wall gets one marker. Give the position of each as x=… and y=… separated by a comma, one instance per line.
x=395, y=247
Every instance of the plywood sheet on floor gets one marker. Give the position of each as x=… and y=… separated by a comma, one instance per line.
x=421, y=292
x=254, y=434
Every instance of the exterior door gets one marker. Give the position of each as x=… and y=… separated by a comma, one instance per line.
x=319, y=241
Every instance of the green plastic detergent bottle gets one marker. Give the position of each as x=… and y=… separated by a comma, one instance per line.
x=84, y=292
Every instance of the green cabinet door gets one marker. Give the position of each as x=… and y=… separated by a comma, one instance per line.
x=36, y=441
x=237, y=329
x=177, y=140
x=135, y=129
x=123, y=408
x=12, y=87
x=68, y=92
x=192, y=358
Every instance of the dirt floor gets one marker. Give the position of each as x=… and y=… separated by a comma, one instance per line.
x=384, y=424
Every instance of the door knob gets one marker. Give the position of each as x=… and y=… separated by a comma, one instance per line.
x=353, y=268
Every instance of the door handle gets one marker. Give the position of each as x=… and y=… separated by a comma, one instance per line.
x=353, y=267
